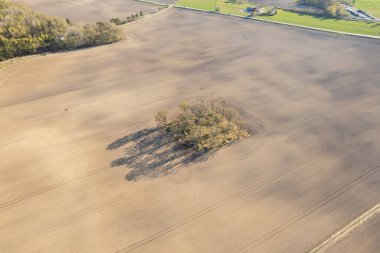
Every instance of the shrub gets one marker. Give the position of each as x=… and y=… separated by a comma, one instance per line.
x=267, y=11
x=161, y=119
x=131, y=18
x=117, y=21
x=202, y=127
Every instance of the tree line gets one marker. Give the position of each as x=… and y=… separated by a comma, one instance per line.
x=24, y=32
x=131, y=18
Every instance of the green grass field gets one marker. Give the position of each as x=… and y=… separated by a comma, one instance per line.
x=291, y=17
x=206, y=5
x=326, y=23
x=370, y=6
x=210, y=5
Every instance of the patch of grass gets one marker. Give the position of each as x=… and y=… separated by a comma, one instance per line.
x=370, y=6
x=202, y=127
x=367, y=28
x=206, y=5
x=236, y=9
x=210, y=5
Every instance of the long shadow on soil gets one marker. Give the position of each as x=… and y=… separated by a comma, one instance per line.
x=152, y=153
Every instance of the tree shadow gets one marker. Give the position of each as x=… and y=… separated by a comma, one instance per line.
x=152, y=153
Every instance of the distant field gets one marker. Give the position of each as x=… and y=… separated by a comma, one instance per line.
x=289, y=17
x=370, y=6
x=89, y=10
x=210, y=5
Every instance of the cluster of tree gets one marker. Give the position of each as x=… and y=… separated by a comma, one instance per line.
x=89, y=35
x=202, y=127
x=332, y=8
x=24, y=32
x=133, y=17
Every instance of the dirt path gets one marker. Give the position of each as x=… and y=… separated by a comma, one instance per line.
x=346, y=230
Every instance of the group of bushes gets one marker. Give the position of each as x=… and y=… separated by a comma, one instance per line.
x=133, y=17
x=89, y=35
x=266, y=11
x=24, y=32
x=202, y=127
x=332, y=8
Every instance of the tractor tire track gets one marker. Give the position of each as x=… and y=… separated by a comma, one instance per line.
x=48, y=188
x=70, y=220
x=237, y=195
x=258, y=147
x=310, y=210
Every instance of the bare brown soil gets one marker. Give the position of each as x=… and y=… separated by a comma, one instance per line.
x=311, y=166
x=90, y=10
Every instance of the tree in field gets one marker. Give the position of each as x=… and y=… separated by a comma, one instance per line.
x=202, y=127
x=161, y=119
